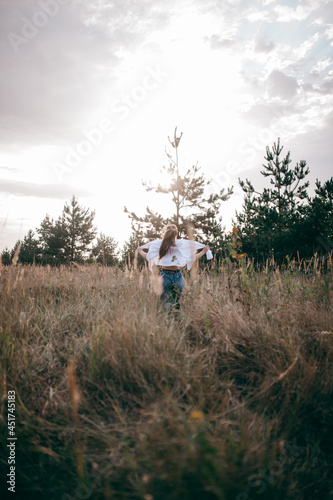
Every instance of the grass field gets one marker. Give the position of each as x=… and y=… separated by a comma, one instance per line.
x=116, y=398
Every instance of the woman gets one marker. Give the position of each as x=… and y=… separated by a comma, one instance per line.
x=171, y=254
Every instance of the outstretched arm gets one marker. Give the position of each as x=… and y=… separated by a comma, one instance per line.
x=203, y=251
x=141, y=252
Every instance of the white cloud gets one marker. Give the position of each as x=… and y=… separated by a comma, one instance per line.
x=329, y=32
x=217, y=42
x=267, y=113
x=264, y=45
x=321, y=65
x=287, y=14
x=308, y=45
x=60, y=191
x=320, y=21
x=281, y=85
x=259, y=15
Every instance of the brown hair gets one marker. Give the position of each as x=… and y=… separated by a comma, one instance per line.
x=170, y=233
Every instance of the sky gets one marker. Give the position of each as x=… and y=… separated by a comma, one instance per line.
x=90, y=91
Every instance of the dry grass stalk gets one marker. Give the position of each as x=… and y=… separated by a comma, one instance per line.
x=75, y=264
x=74, y=393
x=135, y=263
x=140, y=281
x=285, y=373
x=16, y=255
x=190, y=234
x=75, y=399
x=157, y=281
x=260, y=393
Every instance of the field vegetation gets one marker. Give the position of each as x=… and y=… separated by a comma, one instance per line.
x=117, y=398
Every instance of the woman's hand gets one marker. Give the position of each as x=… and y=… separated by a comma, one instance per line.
x=203, y=251
x=141, y=252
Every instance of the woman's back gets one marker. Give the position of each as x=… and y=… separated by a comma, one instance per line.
x=173, y=257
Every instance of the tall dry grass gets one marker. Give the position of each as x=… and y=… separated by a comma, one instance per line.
x=118, y=398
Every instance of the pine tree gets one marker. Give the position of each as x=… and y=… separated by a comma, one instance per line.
x=128, y=251
x=66, y=239
x=79, y=231
x=30, y=250
x=315, y=228
x=6, y=257
x=192, y=205
x=269, y=217
x=105, y=250
x=52, y=240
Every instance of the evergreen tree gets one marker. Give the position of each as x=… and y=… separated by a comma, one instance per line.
x=192, y=205
x=315, y=228
x=105, y=250
x=79, y=232
x=128, y=251
x=30, y=250
x=6, y=257
x=321, y=209
x=52, y=240
x=269, y=218
x=66, y=239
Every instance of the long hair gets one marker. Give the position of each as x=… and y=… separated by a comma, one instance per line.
x=170, y=234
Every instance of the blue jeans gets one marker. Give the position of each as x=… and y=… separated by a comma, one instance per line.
x=172, y=287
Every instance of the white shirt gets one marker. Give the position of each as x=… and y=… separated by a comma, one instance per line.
x=180, y=255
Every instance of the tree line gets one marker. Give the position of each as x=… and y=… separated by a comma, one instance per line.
x=70, y=238
x=281, y=220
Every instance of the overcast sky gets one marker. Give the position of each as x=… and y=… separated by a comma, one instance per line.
x=91, y=90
